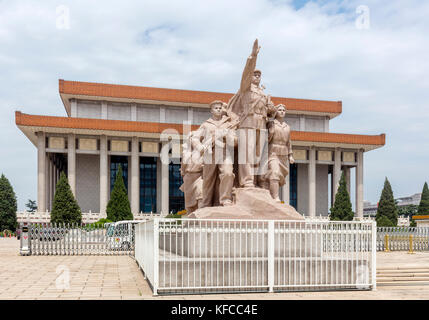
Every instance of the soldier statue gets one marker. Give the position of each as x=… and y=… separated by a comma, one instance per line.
x=251, y=107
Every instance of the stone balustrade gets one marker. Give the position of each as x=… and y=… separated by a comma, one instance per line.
x=87, y=217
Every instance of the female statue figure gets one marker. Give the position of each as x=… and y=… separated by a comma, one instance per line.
x=279, y=151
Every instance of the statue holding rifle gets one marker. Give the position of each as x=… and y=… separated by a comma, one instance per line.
x=252, y=107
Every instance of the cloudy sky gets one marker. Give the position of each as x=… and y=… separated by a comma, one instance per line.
x=326, y=50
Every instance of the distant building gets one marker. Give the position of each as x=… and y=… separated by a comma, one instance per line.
x=405, y=201
x=421, y=220
x=370, y=209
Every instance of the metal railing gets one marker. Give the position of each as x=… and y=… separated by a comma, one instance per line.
x=220, y=255
x=402, y=239
x=80, y=239
x=87, y=217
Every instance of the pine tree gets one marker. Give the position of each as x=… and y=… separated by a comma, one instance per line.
x=342, y=208
x=65, y=208
x=118, y=208
x=387, y=211
x=31, y=205
x=424, y=201
x=8, y=205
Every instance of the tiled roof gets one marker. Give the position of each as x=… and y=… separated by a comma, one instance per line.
x=420, y=217
x=184, y=96
x=339, y=137
x=23, y=119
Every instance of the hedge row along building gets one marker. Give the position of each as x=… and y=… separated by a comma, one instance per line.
x=110, y=125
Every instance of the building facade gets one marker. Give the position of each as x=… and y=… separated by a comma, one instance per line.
x=370, y=209
x=108, y=126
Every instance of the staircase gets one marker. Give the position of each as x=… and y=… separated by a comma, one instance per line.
x=403, y=276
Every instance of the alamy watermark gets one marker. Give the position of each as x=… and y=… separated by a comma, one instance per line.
x=217, y=147
x=363, y=21
x=63, y=17
x=63, y=277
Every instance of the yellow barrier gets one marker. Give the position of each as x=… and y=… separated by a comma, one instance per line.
x=411, y=244
x=386, y=243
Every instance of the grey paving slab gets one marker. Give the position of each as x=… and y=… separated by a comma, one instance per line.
x=118, y=277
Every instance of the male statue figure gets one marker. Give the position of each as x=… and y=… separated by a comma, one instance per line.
x=252, y=107
x=211, y=140
x=191, y=170
x=279, y=152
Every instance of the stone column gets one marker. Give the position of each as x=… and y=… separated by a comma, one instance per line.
x=103, y=110
x=347, y=176
x=104, y=186
x=336, y=173
x=301, y=123
x=48, y=183
x=73, y=108
x=51, y=183
x=71, y=162
x=190, y=115
x=286, y=187
x=326, y=124
x=164, y=179
x=359, y=184
x=158, y=185
x=312, y=183
x=56, y=175
x=135, y=199
x=133, y=112
x=41, y=172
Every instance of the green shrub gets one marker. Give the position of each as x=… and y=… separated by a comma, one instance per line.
x=387, y=208
x=175, y=216
x=383, y=221
x=118, y=208
x=7, y=233
x=424, y=201
x=8, y=205
x=342, y=208
x=98, y=224
x=65, y=208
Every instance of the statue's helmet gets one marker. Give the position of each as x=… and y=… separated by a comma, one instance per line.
x=257, y=71
x=215, y=103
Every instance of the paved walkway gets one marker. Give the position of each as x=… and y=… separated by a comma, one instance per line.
x=118, y=277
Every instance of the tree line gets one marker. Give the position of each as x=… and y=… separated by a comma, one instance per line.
x=65, y=208
x=387, y=209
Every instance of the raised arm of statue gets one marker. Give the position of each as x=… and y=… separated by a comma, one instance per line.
x=246, y=78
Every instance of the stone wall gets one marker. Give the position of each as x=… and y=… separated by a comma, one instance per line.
x=88, y=182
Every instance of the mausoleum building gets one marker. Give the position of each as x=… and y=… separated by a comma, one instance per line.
x=109, y=125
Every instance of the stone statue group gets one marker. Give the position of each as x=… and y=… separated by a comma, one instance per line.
x=245, y=144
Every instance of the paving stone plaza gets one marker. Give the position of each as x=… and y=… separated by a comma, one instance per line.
x=118, y=278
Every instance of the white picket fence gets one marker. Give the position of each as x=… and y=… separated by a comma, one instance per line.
x=220, y=255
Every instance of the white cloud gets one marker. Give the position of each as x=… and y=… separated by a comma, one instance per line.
x=315, y=52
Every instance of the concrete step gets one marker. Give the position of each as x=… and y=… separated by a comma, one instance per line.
x=401, y=275
x=388, y=279
x=401, y=269
x=403, y=283
x=407, y=271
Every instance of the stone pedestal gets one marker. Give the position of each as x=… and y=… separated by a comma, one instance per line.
x=249, y=203
x=235, y=241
